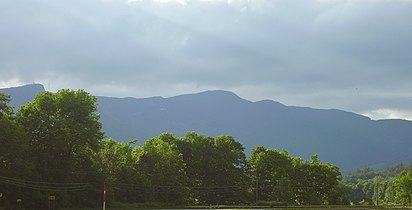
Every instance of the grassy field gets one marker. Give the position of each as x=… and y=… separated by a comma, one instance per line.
x=140, y=206
x=349, y=208
x=261, y=207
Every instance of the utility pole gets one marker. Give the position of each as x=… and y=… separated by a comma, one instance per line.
x=104, y=196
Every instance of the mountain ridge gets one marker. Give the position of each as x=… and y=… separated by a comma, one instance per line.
x=346, y=139
x=23, y=94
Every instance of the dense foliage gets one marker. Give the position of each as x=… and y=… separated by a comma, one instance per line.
x=391, y=186
x=54, y=146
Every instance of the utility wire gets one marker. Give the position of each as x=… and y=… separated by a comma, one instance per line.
x=45, y=186
x=45, y=183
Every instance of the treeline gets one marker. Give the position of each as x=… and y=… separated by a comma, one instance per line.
x=54, y=146
x=202, y=170
x=391, y=186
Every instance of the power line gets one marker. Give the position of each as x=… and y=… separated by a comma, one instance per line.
x=45, y=186
x=45, y=183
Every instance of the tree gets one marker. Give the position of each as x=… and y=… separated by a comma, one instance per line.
x=404, y=185
x=64, y=134
x=271, y=174
x=11, y=138
x=116, y=163
x=228, y=170
x=5, y=109
x=197, y=154
x=317, y=183
x=216, y=169
x=14, y=161
x=376, y=186
x=163, y=168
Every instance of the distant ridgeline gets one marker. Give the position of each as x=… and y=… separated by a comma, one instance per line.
x=53, y=148
x=348, y=140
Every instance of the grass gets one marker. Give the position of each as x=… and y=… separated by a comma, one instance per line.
x=138, y=206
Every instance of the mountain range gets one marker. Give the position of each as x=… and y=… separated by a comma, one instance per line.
x=342, y=138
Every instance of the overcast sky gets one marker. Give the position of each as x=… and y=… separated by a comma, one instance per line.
x=354, y=55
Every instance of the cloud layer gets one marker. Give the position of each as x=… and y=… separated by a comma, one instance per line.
x=352, y=55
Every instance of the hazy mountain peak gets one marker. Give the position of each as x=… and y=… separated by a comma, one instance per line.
x=26, y=88
x=268, y=102
x=209, y=98
x=23, y=94
x=213, y=94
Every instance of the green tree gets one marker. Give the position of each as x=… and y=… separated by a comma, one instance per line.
x=404, y=185
x=10, y=137
x=116, y=163
x=64, y=134
x=228, y=170
x=325, y=179
x=317, y=183
x=14, y=161
x=163, y=168
x=388, y=191
x=5, y=109
x=271, y=171
x=367, y=186
x=197, y=155
x=215, y=168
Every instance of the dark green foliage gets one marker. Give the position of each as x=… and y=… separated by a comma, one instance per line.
x=162, y=166
x=5, y=109
x=378, y=187
x=216, y=169
x=271, y=173
x=285, y=179
x=63, y=134
x=54, y=146
x=404, y=185
x=13, y=154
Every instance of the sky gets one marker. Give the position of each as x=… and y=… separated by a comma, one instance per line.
x=354, y=55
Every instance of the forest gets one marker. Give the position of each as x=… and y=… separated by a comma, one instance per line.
x=55, y=146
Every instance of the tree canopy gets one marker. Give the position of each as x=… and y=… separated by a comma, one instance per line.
x=55, y=146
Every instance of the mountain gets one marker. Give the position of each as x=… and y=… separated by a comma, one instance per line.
x=345, y=139
x=23, y=94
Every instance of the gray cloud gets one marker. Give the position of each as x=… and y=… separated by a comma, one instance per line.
x=351, y=55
